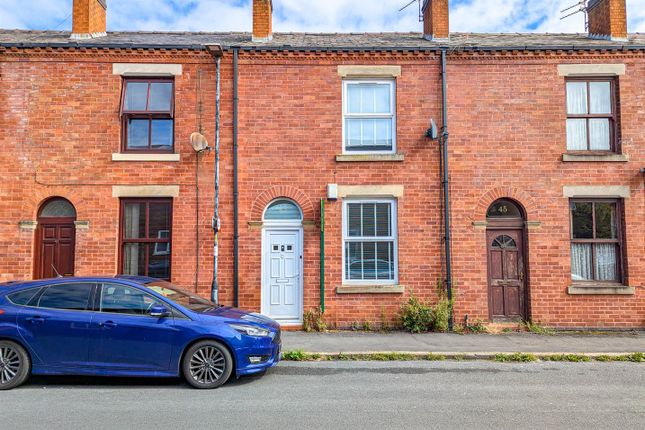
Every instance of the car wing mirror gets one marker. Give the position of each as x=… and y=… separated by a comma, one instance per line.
x=159, y=311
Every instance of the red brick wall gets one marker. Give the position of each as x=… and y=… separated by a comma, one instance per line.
x=507, y=140
x=61, y=126
x=290, y=134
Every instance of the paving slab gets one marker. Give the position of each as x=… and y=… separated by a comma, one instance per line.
x=361, y=342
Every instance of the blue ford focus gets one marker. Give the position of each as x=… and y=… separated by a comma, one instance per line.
x=127, y=326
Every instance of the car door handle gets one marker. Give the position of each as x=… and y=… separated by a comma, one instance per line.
x=107, y=324
x=36, y=320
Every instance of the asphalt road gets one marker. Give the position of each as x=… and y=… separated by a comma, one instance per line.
x=341, y=395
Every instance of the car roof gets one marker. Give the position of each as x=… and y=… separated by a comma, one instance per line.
x=16, y=285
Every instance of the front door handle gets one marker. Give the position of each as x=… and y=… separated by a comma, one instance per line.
x=107, y=324
x=36, y=320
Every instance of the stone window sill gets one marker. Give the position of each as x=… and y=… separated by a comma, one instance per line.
x=595, y=158
x=145, y=157
x=601, y=289
x=362, y=158
x=370, y=289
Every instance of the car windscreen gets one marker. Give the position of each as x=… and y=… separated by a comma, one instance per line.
x=181, y=297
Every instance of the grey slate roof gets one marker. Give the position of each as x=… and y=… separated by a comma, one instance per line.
x=320, y=41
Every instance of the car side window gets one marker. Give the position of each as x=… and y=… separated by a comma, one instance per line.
x=22, y=298
x=121, y=299
x=75, y=297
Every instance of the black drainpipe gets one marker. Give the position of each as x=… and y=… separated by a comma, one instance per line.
x=236, y=234
x=446, y=184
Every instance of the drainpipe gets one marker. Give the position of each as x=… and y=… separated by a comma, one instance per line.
x=446, y=183
x=322, y=256
x=236, y=236
x=216, y=222
x=216, y=51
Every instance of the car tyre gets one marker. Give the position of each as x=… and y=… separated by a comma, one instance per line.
x=207, y=365
x=15, y=365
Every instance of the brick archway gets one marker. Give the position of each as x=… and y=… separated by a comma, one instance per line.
x=525, y=200
x=285, y=191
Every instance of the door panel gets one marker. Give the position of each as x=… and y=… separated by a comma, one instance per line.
x=125, y=337
x=282, y=280
x=506, y=274
x=59, y=337
x=57, y=244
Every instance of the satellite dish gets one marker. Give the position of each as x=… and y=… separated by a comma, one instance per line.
x=199, y=142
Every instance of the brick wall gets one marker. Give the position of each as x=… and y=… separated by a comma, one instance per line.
x=61, y=117
x=507, y=139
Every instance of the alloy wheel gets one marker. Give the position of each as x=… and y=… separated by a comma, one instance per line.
x=9, y=364
x=207, y=365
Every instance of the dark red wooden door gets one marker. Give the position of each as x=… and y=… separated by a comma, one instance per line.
x=506, y=274
x=57, y=241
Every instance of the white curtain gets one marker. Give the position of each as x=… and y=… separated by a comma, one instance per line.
x=131, y=250
x=606, y=262
x=577, y=134
x=581, y=262
x=599, y=134
x=577, y=98
x=600, y=98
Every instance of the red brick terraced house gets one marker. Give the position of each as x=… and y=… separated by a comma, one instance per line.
x=332, y=181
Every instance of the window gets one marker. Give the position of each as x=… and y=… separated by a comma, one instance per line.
x=147, y=111
x=282, y=210
x=22, y=298
x=146, y=237
x=591, y=115
x=596, y=245
x=369, y=242
x=73, y=297
x=369, y=123
x=121, y=299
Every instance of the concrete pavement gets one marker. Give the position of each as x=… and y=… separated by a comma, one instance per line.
x=337, y=395
x=361, y=342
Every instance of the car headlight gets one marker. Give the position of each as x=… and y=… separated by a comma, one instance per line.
x=251, y=330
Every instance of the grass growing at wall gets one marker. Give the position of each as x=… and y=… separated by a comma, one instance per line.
x=420, y=317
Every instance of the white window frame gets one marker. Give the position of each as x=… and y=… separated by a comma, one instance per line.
x=393, y=238
x=391, y=115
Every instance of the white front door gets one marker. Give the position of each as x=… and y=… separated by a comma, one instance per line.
x=282, y=275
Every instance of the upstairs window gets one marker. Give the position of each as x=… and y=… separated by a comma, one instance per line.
x=147, y=110
x=591, y=115
x=369, y=123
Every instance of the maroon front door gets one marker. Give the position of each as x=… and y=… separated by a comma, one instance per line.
x=56, y=248
x=506, y=275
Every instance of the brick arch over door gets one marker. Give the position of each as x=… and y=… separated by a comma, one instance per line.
x=282, y=191
x=34, y=201
x=522, y=198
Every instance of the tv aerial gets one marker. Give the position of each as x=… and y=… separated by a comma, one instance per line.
x=580, y=7
x=410, y=4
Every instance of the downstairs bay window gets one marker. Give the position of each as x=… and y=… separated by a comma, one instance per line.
x=596, y=240
x=370, y=242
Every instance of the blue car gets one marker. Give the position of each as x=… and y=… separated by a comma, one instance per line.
x=127, y=326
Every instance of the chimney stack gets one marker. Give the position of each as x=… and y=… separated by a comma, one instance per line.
x=262, y=20
x=89, y=19
x=436, y=20
x=607, y=19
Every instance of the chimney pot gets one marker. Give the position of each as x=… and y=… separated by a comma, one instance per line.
x=436, y=19
x=89, y=19
x=262, y=20
x=607, y=19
